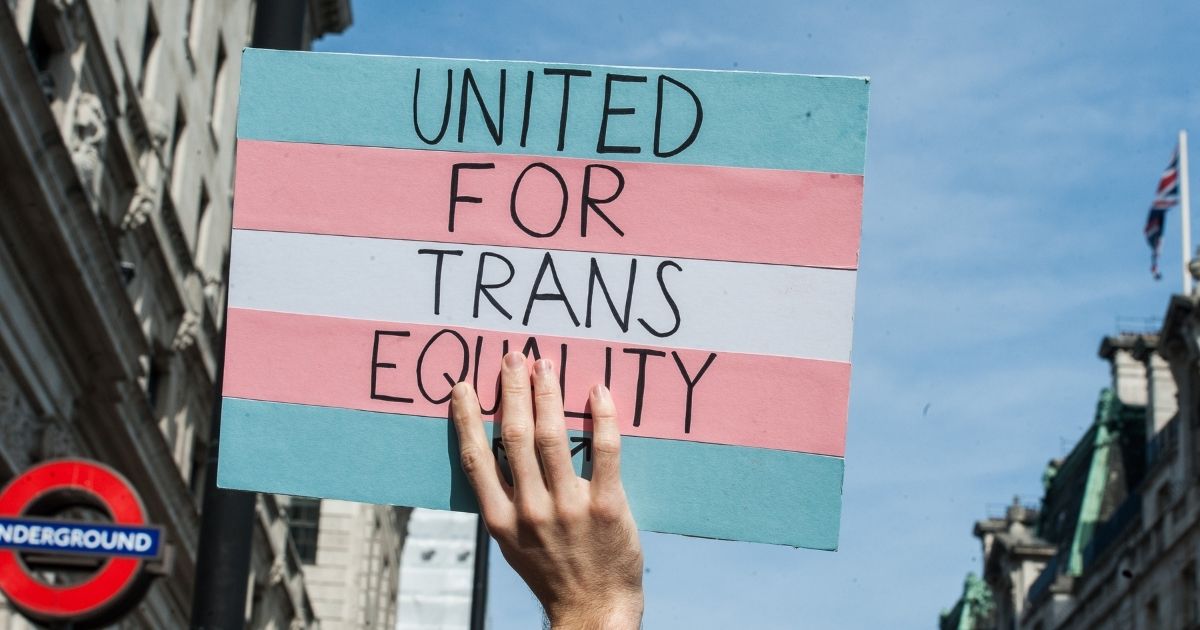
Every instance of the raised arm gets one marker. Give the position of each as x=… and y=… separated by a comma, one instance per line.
x=573, y=541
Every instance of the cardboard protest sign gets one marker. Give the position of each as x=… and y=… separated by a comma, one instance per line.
x=688, y=237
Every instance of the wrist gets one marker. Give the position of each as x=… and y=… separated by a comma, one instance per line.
x=618, y=613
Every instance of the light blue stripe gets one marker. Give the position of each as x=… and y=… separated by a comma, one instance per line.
x=708, y=490
x=756, y=120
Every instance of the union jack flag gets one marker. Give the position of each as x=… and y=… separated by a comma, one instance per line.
x=1165, y=198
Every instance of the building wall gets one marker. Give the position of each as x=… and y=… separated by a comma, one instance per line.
x=437, y=570
x=355, y=576
x=1147, y=582
x=117, y=133
x=108, y=322
x=1140, y=572
x=1148, y=578
x=1162, y=394
x=1129, y=377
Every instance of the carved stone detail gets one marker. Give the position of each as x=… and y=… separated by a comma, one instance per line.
x=56, y=441
x=19, y=425
x=157, y=124
x=212, y=287
x=89, y=132
x=185, y=335
x=139, y=210
x=72, y=16
x=62, y=6
x=278, y=572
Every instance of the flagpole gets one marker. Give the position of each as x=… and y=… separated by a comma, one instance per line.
x=1185, y=212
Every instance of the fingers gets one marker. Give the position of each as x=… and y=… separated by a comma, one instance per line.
x=516, y=425
x=476, y=455
x=550, y=430
x=606, y=442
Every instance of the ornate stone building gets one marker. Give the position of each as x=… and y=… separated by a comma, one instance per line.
x=1115, y=543
x=117, y=138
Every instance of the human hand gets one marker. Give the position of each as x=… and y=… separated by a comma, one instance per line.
x=573, y=541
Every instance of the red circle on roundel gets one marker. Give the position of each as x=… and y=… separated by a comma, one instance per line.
x=108, y=489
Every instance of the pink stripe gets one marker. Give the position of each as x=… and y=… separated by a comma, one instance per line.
x=670, y=210
x=742, y=399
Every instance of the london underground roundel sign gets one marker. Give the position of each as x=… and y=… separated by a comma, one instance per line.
x=29, y=534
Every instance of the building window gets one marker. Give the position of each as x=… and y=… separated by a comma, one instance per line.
x=44, y=46
x=175, y=235
x=203, y=219
x=199, y=468
x=304, y=522
x=42, y=43
x=41, y=51
x=216, y=107
x=178, y=135
x=1189, y=600
x=1163, y=497
x=154, y=384
x=195, y=20
x=149, y=52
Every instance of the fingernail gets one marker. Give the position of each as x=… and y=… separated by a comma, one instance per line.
x=600, y=392
x=514, y=360
x=460, y=391
x=543, y=367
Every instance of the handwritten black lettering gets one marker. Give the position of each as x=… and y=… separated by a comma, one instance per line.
x=640, y=396
x=445, y=112
x=691, y=385
x=601, y=143
x=485, y=288
x=445, y=375
x=562, y=213
x=437, y=274
x=496, y=131
x=376, y=364
x=455, y=198
x=566, y=74
x=592, y=204
x=658, y=118
x=558, y=296
x=670, y=302
x=594, y=278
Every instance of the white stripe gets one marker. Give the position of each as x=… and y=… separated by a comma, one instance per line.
x=727, y=306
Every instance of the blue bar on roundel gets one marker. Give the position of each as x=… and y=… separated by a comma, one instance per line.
x=705, y=490
x=77, y=537
x=716, y=118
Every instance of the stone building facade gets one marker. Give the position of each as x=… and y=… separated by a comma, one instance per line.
x=1115, y=543
x=351, y=556
x=437, y=571
x=117, y=139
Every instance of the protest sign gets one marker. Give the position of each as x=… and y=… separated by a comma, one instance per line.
x=689, y=238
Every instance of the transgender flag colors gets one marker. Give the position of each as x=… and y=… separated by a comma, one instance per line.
x=690, y=237
x=1166, y=197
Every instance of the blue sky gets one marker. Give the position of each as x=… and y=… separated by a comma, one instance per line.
x=1013, y=151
